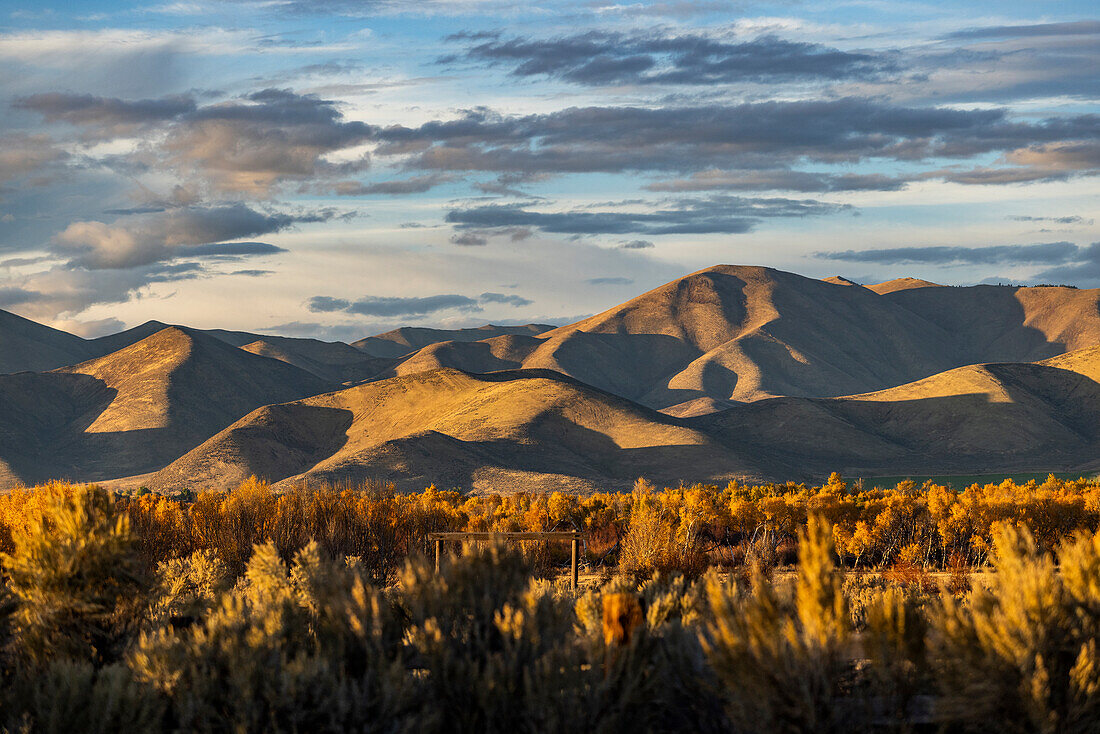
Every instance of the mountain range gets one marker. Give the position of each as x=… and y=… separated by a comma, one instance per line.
x=730, y=372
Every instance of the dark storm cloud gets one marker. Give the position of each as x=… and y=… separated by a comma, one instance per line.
x=636, y=245
x=599, y=57
x=721, y=214
x=1044, y=253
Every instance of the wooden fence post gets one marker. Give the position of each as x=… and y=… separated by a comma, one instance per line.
x=576, y=543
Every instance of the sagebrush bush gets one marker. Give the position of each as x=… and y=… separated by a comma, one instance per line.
x=783, y=660
x=1021, y=655
x=75, y=578
x=101, y=631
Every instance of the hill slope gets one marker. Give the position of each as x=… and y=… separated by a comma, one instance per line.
x=29, y=346
x=989, y=417
x=136, y=409
x=529, y=429
x=333, y=361
x=732, y=333
x=502, y=432
x=408, y=339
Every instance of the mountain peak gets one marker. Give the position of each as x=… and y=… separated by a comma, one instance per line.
x=841, y=280
x=902, y=284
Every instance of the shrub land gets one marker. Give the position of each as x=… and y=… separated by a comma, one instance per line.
x=315, y=610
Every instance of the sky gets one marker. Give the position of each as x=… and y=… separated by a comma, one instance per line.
x=338, y=168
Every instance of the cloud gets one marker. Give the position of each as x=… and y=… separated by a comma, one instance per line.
x=636, y=245
x=610, y=281
x=395, y=306
x=469, y=239
x=366, y=8
x=1042, y=253
x=17, y=262
x=719, y=214
x=986, y=176
x=22, y=154
x=1084, y=271
x=228, y=249
x=190, y=231
x=64, y=289
x=246, y=145
x=1072, y=28
x=12, y=296
x=602, y=58
x=392, y=306
x=414, y=185
x=269, y=137
x=511, y=300
x=252, y=273
x=90, y=329
x=345, y=332
x=1073, y=219
x=107, y=117
x=779, y=180
x=759, y=135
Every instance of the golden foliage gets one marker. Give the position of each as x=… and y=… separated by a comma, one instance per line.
x=314, y=609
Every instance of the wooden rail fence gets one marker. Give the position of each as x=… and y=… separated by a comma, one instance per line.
x=570, y=535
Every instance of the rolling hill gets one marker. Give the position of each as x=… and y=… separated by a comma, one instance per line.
x=502, y=432
x=535, y=429
x=29, y=346
x=136, y=409
x=333, y=361
x=732, y=371
x=979, y=418
x=737, y=334
x=408, y=339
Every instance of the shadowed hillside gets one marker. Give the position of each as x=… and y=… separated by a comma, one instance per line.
x=137, y=409
x=333, y=361
x=531, y=429
x=733, y=333
x=29, y=346
x=499, y=432
x=408, y=339
x=759, y=374
x=991, y=323
x=993, y=417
